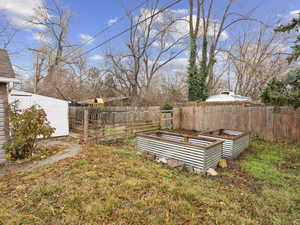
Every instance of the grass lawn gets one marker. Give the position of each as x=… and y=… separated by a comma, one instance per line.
x=114, y=185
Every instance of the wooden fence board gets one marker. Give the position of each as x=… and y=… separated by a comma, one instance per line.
x=258, y=119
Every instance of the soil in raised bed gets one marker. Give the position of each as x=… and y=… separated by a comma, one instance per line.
x=221, y=134
x=185, y=132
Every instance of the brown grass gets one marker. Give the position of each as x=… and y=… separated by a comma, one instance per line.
x=114, y=185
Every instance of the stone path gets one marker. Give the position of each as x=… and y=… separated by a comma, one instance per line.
x=72, y=149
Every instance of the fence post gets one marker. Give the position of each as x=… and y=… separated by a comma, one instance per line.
x=85, y=124
x=159, y=120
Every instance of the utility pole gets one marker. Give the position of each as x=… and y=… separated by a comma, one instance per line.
x=37, y=72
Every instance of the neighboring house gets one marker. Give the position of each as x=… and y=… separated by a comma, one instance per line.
x=7, y=77
x=57, y=110
x=227, y=96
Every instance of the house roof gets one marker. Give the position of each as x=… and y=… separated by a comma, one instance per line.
x=227, y=96
x=104, y=100
x=6, y=69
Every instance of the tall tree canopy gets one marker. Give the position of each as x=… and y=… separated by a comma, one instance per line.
x=294, y=25
x=206, y=32
x=286, y=91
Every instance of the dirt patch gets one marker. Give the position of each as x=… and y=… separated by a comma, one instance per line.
x=41, y=153
x=71, y=138
x=240, y=178
x=221, y=134
x=69, y=150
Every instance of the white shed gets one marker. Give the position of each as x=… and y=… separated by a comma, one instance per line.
x=227, y=96
x=57, y=110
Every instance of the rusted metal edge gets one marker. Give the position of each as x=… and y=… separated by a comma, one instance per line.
x=146, y=135
x=186, y=136
x=207, y=133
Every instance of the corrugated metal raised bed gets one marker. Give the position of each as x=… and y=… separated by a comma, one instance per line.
x=234, y=143
x=199, y=153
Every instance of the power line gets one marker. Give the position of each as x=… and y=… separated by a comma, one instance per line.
x=129, y=28
x=106, y=28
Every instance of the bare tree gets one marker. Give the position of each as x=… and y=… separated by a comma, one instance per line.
x=149, y=48
x=55, y=23
x=256, y=60
x=96, y=82
x=165, y=89
x=211, y=32
x=7, y=32
x=78, y=74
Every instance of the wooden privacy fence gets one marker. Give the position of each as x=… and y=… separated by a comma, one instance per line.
x=260, y=120
x=109, y=123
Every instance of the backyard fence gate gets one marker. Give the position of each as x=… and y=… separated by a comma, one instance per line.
x=96, y=125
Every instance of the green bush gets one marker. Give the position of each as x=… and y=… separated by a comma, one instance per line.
x=166, y=107
x=26, y=127
x=285, y=92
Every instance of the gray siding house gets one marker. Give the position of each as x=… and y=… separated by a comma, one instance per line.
x=7, y=76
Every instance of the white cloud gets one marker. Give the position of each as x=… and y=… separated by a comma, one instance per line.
x=179, y=11
x=112, y=21
x=145, y=13
x=294, y=12
x=96, y=57
x=18, y=11
x=177, y=65
x=224, y=35
x=180, y=27
x=41, y=37
x=221, y=57
x=86, y=39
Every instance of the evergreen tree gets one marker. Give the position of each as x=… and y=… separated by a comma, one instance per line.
x=294, y=25
x=286, y=91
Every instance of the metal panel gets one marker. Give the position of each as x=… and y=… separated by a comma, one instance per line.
x=171, y=137
x=197, y=157
x=199, y=142
x=233, y=132
x=232, y=148
x=239, y=145
x=212, y=157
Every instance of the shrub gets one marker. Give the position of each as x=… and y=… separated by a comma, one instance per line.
x=166, y=107
x=285, y=92
x=26, y=127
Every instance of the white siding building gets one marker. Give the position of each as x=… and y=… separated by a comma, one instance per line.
x=57, y=110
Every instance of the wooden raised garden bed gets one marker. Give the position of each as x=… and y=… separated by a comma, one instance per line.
x=234, y=143
x=196, y=152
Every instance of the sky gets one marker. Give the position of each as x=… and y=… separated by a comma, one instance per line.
x=92, y=16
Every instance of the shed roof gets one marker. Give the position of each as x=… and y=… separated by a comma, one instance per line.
x=6, y=69
x=28, y=94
